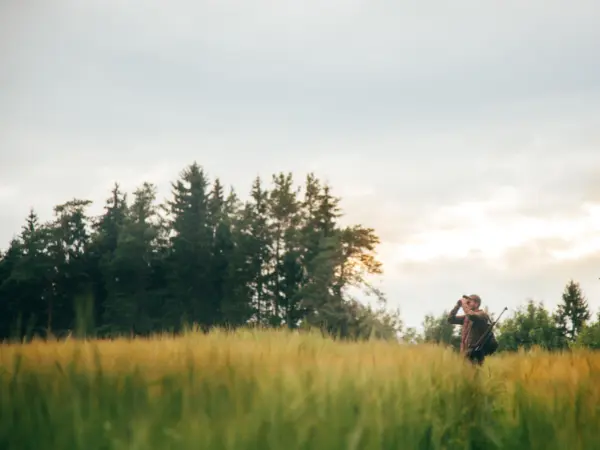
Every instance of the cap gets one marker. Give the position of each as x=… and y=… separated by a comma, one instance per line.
x=473, y=297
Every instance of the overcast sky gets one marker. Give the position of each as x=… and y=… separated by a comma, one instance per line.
x=467, y=133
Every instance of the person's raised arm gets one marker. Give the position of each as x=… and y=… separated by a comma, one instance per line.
x=474, y=315
x=453, y=318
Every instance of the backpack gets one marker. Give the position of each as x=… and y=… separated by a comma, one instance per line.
x=487, y=344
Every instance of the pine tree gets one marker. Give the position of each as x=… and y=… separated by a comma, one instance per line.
x=254, y=251
x=34, y=272
x=69, y=251
x=107, y=229
x=132, y=307
x=235, y=250
x=192, y=291
x=284, y=218
x=573, y=312
x=221, y=213
x=27, y=282
x=108, y=226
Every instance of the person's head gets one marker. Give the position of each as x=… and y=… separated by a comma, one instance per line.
x=473, y=301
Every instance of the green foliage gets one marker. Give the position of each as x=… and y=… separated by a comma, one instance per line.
x=530, y=326
x=203, y=257
x=437, y=330
x=573, y=312
x=589, y=335
x=534, y=326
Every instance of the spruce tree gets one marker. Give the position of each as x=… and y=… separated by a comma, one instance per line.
x=234, y=272
x=34, y=271
x=132, y=307
x=284, y=218
x=254, y=251
x=573, y=312
x=221, y=213
x=68, y=249
x=107, y=229
x=190, y=258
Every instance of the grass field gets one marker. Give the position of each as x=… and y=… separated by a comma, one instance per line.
x=277, y=390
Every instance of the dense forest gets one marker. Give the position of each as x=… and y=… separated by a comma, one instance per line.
x=202, y=258
x=206, y=258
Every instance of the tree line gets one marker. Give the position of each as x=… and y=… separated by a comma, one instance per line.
x=204, y=257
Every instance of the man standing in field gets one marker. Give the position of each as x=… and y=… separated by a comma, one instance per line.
x=474, y=322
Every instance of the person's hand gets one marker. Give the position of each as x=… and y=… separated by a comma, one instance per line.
x=459, y=302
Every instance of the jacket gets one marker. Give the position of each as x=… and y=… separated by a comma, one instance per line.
x=475, y=323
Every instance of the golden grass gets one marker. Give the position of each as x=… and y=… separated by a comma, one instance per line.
x=277, y=389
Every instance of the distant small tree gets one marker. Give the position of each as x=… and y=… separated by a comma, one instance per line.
x=376, y=323
x=410, y=335
x=573, y=312
x=438, y=330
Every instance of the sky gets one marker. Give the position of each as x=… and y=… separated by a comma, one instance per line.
x=466, y=133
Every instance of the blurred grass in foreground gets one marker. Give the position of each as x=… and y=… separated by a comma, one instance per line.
x=279, y=390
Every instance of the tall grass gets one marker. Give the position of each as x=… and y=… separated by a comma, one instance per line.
x=280, y=390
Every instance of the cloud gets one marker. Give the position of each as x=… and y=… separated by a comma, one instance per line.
x=466, y=134
x=150, y=65
x=432, y=287
x=502, y=246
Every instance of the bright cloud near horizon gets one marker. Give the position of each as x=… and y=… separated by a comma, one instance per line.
x=466, y=133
